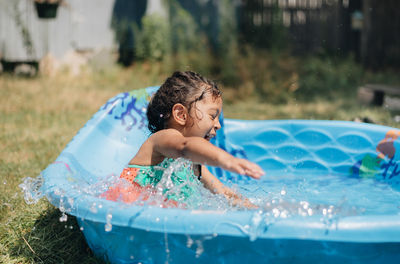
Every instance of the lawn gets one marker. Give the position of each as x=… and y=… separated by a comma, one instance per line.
x=39, y=116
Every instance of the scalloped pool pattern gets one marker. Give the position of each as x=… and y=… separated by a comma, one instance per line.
x=289, y=146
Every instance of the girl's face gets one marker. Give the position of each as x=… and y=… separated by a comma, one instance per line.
x=204, y=118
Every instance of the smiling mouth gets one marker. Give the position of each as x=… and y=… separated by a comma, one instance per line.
x=209, y=137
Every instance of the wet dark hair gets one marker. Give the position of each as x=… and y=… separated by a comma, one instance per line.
x=182, y=87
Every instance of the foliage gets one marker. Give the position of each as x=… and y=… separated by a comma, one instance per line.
x=49, y=1
x=227, y=44
x=388, y=77
x=177, y=42
x=184, y=30
x=328, y=76
x=152, y=41
x=278, y=77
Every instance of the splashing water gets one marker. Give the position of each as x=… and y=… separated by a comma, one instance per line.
x=202, y=198
x=31, y=188
x=328, y=197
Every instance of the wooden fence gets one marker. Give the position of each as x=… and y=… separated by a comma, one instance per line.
x=310, y=25
x=370, y=29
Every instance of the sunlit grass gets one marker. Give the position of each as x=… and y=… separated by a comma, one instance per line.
x=39, y=116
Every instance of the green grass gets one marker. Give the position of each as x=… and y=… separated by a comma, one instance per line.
x=39, y=116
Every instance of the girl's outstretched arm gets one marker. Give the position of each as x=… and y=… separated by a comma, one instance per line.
x=215, y=186
x=171, y=143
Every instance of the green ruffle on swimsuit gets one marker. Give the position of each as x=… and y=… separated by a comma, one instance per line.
x=182, y=185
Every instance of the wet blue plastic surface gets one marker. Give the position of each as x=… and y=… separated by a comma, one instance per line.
x=296, y=147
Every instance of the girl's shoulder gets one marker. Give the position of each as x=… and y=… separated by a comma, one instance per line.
x=165, y=134
x=157, y=147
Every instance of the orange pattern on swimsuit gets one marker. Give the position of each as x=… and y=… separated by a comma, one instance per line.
x=129, y=174
x=129, y=193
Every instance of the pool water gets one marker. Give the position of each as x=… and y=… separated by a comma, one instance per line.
x=346, y=195
x=325, y=197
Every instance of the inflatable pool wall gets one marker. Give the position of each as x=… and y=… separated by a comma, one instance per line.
x=122, y=233
x=319, y=147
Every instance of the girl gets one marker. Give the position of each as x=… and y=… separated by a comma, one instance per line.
x=183, y=116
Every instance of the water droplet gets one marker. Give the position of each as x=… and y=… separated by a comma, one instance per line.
x=32, y=189
x=109, y=217
x=200, y=248
x=63, y=217
x=71, y=201
x=189, y=242
x=284, y=214
x=310, y=211
x=276, y=212
x=107, y=227
x=305, y=204
x=93, y=208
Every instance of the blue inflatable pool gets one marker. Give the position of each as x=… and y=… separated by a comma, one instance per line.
x=331, y=193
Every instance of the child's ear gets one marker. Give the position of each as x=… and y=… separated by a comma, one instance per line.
x=180, y=114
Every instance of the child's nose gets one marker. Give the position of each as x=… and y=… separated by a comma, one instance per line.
x=217, y=125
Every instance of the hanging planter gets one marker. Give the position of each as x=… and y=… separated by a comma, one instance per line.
x=47, y=9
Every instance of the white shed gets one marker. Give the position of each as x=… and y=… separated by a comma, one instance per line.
x=80, y=25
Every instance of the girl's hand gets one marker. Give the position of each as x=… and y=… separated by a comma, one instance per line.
x=247, y=204
x=237, y=199
x=244, y=167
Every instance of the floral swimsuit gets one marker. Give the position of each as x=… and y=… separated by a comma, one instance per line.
x=182, y=185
